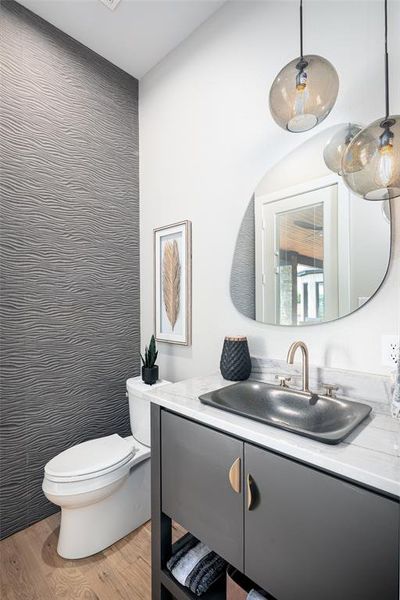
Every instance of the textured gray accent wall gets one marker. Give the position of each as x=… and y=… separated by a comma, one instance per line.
x=243, y=273
x=69, y=253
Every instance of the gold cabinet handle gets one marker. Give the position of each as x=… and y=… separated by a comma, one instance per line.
x=249, y=492
x=234, y=475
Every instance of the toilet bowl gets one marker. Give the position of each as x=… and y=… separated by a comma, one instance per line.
x=103, y=485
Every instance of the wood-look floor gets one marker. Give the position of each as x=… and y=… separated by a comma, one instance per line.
x=32, y=570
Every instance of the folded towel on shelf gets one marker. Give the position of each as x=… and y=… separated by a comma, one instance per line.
x=255, y=595
x=190, y=542
x=196, y=566
x=188, y=563
x=208, y=570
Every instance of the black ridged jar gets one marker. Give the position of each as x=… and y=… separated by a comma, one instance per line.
x=235, y=362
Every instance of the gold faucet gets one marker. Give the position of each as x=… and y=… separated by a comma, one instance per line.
x=304, y=352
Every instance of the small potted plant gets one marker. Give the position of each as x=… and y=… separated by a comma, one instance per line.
x=149, y=368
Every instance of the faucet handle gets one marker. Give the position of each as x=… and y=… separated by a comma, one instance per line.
x=283, y=380
x=330, y=390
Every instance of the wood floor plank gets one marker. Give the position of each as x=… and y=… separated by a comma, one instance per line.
x=11, y=573
x=121, y=583
x=177, y=531
x=140, y=577
x=31, y=569
x=66, y=580
x=129, y=549
x=20, y=573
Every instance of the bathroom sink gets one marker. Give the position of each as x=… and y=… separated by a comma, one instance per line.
x=328, y=420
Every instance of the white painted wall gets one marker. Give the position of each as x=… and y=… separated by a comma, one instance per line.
x=368, y=251
x=207, y=139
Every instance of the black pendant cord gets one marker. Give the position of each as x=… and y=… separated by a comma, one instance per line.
x=301, y=28
x=386, y=62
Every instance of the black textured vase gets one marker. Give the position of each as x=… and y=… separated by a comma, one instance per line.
x=235, y=362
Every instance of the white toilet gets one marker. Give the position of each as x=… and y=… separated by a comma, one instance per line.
x=103, y=485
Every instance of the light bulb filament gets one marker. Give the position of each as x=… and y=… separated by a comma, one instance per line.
x=301, y=93
x=385, y=161
x=387, y=149
x=301, y=80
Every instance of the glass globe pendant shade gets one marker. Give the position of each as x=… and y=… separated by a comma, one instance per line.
x=378, y=149
x=336, y=147
x=386, y=210
x=303, y=93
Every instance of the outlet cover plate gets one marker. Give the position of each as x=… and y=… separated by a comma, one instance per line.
x=111, y=4
x=390, y=350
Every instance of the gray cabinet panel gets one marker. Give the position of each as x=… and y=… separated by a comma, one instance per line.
x=196, y=490
x=311, y=536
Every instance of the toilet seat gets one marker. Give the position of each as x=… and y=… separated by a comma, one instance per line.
x=90, y=459
x=64, y=485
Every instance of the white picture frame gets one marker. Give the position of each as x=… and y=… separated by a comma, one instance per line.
x=173, y=283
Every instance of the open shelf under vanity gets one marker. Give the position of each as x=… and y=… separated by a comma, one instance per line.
x=216, y=592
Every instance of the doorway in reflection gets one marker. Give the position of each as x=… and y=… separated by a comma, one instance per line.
x=299, y=247
x=300, y=273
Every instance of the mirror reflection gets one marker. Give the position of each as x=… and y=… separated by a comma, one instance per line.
x=308, y=250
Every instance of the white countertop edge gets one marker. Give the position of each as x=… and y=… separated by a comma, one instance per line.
x=344, y=459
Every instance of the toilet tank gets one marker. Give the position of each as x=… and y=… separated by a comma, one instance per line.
x=139, y=407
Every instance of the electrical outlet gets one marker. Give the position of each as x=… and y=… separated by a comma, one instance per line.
x=390, y=350
x=111, y=4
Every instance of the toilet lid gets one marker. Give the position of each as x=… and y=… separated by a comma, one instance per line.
x=90, y=458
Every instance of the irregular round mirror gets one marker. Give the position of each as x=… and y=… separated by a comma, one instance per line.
x=308, y=249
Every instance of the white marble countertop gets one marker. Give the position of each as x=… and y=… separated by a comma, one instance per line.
x=370, y=455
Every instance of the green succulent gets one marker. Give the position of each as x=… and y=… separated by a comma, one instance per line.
x=150, y=354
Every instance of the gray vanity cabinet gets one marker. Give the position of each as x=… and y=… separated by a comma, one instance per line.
x=299, y=533
x=196, y=491
x=312, y=536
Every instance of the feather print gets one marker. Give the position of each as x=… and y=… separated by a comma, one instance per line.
x=171, y=281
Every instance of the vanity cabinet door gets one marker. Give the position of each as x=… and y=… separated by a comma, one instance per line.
x=314, y=537
x=196, y=488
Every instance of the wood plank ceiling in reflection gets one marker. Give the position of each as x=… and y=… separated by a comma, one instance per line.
x=301, y=231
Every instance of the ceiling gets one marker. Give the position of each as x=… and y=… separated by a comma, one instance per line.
x=136, y=35
x=301, y=231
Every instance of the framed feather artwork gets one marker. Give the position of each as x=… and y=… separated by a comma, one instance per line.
x=173, y=283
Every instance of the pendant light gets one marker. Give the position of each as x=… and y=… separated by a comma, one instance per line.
x=304, y=91
x=378, y=147
x=337, y=146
